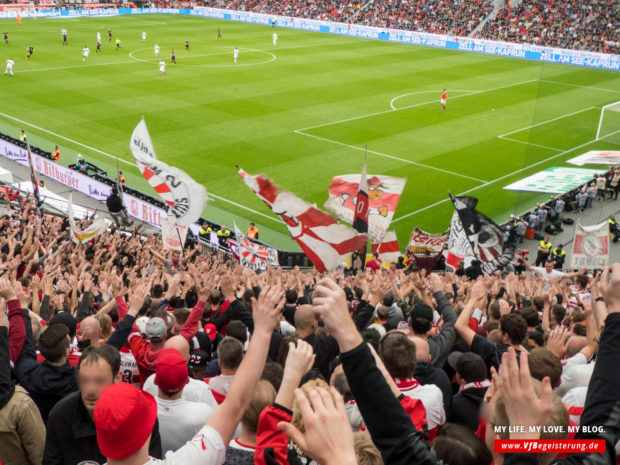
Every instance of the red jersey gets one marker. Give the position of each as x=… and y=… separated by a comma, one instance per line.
x=444, y=96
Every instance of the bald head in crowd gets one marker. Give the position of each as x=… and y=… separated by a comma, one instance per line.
x=575, y=344
x=305, y=321
x=422, y=351
x=90, y=329
x=179, y=343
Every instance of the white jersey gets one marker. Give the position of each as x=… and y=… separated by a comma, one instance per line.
x=98, y=36
x=275, y=38
x=144, y=36
x=156, y=48
x=63, y=32
x=9, y=64
x=236, y=53
x=206, y=448
x=85, y=52
x=179, y=421
x=431, y=398
x=129, y=368
x=162, y=66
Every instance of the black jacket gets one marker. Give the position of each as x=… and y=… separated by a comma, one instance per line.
x=425, y=373
x=6, y=384
x=326, y=349
x=465, y=407
x=72, y=436
x=390, y=427
x=46, y=383
x=114, y=203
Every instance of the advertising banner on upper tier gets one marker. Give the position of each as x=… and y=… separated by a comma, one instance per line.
x=597, y=157
x=555, y=180
x=136, y=207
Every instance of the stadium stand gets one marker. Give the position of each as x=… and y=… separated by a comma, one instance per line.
x=590, y=25
x=581, y=25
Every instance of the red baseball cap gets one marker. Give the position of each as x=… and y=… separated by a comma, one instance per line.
x=171, y=372
x=124, y=417
x=210, y=330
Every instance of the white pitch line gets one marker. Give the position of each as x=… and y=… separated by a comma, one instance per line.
x=421, y=92
x=414, y=106
x=548, y=121
x=499, y=179
x=422, y=165
x=126, y=162
x=581, y=87
x=77, y=66
x=530, y=143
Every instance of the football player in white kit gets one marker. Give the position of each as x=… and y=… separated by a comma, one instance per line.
x=144, y=37
x=9, y=67
x=98, y=36
x=156, y=50
x=162, y=67
x=85, y=53
x=235, y=54
x=275, y=39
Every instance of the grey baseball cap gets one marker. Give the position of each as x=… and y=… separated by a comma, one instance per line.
x=156, y=329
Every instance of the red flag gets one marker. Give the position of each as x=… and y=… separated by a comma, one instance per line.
x=325, y=242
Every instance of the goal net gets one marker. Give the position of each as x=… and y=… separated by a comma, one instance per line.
x=609, y=123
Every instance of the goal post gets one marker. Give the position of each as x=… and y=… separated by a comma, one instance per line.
x=609, y=121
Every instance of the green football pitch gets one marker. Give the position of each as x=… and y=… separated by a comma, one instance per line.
x=301, y=112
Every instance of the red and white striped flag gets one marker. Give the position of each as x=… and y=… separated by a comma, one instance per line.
x=326, y=243
x=388, y=250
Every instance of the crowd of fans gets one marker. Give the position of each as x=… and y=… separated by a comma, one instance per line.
x=328, y=10
x=118, y=352
x=582, y=25
x=438, y=16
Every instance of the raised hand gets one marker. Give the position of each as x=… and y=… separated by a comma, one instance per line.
x=266, y=309
x=557, y=342
x=299, y=360
x=7, y=291
x=328, y=438
x=330, y=303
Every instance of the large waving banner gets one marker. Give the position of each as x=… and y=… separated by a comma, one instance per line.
x=422, y=242
x=97, y=227
x=472, y=233
x=184, y=197
x=590, y=246
x=383, y=195
x=326, y=243
x=255, y=256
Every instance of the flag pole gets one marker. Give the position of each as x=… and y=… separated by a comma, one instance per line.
x=358, y=259
x=471, y=244
x=33, y=180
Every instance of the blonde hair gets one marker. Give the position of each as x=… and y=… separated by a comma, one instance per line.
x=297, y=420
x=366, y=452
x=106, y=325
x=263, y=396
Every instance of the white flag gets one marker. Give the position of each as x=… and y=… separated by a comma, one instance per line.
x=173, y=235
x=255, y=256
x=590, y=246
x=184, y=197
x=97, y=227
